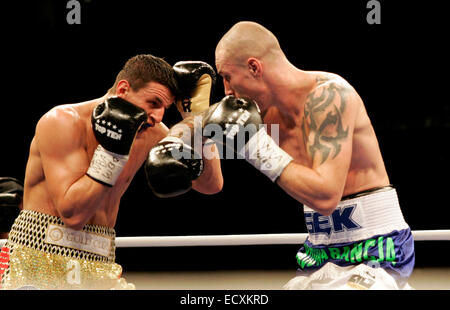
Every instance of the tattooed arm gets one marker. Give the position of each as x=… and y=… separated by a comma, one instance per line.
x=211, y=180
x=327, y=127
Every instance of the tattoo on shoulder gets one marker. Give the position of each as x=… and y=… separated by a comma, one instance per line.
x=324, y=109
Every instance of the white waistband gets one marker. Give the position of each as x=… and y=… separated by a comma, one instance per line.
x=356, y=219
x=80, y=240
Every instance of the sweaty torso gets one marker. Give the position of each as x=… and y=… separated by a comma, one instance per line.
x=367, y=168
x=37, y=195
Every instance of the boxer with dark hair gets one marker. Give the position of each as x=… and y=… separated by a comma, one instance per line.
x=82, y=159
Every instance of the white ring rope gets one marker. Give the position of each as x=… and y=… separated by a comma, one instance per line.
x=256, y=239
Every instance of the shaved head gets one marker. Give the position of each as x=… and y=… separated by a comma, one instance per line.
x=250, y=61
x=252, y=64
x=247, y=39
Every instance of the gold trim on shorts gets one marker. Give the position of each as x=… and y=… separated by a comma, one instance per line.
x=36, y=263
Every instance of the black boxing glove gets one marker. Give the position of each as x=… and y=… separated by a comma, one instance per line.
x=115, y=123
x=171, y=167
x=196, y=81
x=11, y=193
x=9, y=210
x=240, y=127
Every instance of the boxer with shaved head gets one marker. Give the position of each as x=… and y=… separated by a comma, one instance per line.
x=327, y=157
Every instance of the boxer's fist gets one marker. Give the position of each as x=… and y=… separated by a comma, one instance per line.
x=238, y=118
x=115, y=123
x=241, y=125
x=196, y=81
x=171, y=167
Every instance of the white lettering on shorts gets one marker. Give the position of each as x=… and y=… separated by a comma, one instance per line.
x=80, y=240
x=345, y=218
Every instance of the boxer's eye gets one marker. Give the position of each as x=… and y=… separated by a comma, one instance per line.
x=153, y=104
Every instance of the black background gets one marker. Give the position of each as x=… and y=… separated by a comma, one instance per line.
x=397, y=67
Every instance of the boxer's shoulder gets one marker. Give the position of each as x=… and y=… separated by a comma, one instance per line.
x=62, y=124
x=72, y=116
x=327, y=79
x=73, y=112
x=331, y=90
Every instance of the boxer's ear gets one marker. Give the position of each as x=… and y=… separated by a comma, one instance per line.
x=254, y=66
x=123, y=87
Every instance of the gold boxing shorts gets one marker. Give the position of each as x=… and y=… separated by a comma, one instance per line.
x=41, y=253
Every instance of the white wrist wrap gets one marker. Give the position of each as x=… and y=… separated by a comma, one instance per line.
x=265, y=155
x=106, y=166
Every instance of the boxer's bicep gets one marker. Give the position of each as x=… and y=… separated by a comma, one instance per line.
x=63, y=157
x=327, y=127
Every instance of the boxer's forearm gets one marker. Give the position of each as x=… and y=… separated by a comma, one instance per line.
x=81, y=201
x=321, y=193
x=211, y=179
x=190, y=131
